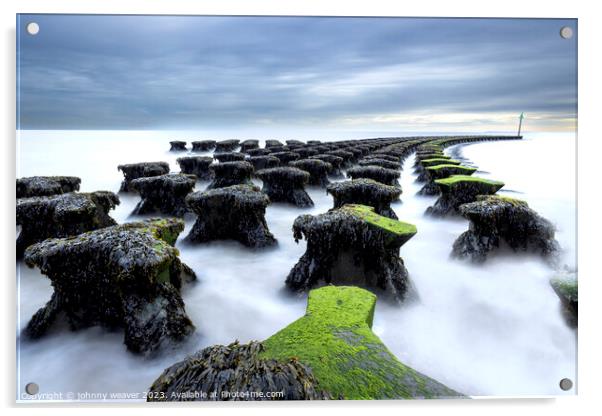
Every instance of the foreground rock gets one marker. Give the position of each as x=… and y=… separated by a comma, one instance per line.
x=460, y=189
x=376, y=173
x=286, y=184
x=432, y=173
x=197, y=166
x=177, y=146
x=62, y=216
x=232, y=213
x=203, y=145
x=163, y=194
x=46, y=185
x=133, y=171
x=125, y=276
x=329, y=353
x=230, y=173
x=365, y=192
x=352, y=245
x=566, y=287
x=317, y=169
x=496, y=220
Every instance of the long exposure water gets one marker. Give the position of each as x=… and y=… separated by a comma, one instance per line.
x=494, y=329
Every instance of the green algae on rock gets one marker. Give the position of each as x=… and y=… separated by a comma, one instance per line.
x=233, y=213
x=230, y=173
x=352, y=245
x=460, y=189
x=286, y=184
x=163, y=194
x=317, y=169
x=377, y=173
x=46, y=185
x=566, y=287
x=196, y=165
x=123, y=276
x=365, y=192
x=433, y=173
x=133, y=171
x=495, y=220
x=334, y=339
x=62, y=215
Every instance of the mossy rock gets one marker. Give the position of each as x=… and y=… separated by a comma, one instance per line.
x=566, y=287
x=456, y=180
x=46, y=185
x=397, y=231
x=439, y=161
x=334, y=339
x=365, y=192
x=457, y=190
x=177, y=146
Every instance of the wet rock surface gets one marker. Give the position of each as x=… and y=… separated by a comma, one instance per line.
x=219, y=372
x=460, y=189
x=230, y=173
x=125, y=276
x=62, y=215
x=197, y=166
x=177, y=146
x=231, y=213
x=286, y=184
x=352, y=245
x=496, y=220
x=203, y=145
x=163, y=194
x=133, y=171
x=46, y=185
x=317, y=169
x=376, y=173
x=365, y=192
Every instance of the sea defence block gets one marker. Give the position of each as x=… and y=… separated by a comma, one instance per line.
x=285, y=157
x=566, y=287
x=250, y=144
x=380, y=162
x=305, y=153
x=62, y=215
x=133, y=171
x=376, y=173
x=496, y=219
x=229, y=157
x=203, y=145
x=230, y=173
x=365, y=192
x=163, y=194
x=438, y=161
x=232, y=213
x=348, y=157
x=432, y=173
x=317, y=169
x=46, y=185
x=263, y=162
x=273, y=143
x=460, y=189
x=197, y=166
x=381, y=156
x=352, y=245
x=335, y=162
x=227, y=145
x=286, y=184
x=125, y=276
x=177, y=146
x=329, y=353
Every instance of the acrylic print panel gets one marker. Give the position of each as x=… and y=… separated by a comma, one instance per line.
x=288, y=208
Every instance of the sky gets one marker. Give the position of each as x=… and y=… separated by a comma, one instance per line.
x=88, y=72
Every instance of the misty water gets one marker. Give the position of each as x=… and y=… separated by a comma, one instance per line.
x=495, y=329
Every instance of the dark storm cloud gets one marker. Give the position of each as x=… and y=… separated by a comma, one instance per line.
x=111, y=72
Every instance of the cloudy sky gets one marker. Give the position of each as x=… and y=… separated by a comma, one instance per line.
x=168, y=72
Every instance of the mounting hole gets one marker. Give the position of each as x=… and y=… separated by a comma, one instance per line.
x=566, y=32
x=33, y=28
x=566, y=384
x=32, y=389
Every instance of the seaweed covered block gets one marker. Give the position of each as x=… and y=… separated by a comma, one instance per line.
x=286, y=184
x=380, y=162
x=496, y=219
x=365, y=192
x=432, y=173
x=438, y=161
x=566, y=287
x=460, y=189
x=258, y=152
x=390, y=158
x=305, y=153
x=250, y=144
x=125, y=276
x=335, y=340
x=230, y=173
x=294, y=143
x=335, y=162
x=229, y=157
x=163, y=194
x=196, y=165
x=203, y=145
x=227, y=145
x=377, y=173
x=273, y=143
x=285, y=157
x=232, y=213
x=317, y=169
x=62, y=215
x=177, y=146
x=314, y=142
x=352, y=245
x=133, y=171
x=46, y=185
x=264, y=162
x=348, y=157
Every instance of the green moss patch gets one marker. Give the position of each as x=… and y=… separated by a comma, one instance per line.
x=455, y=179
x=367, y=214
x=455, y=167
x=439, y=161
